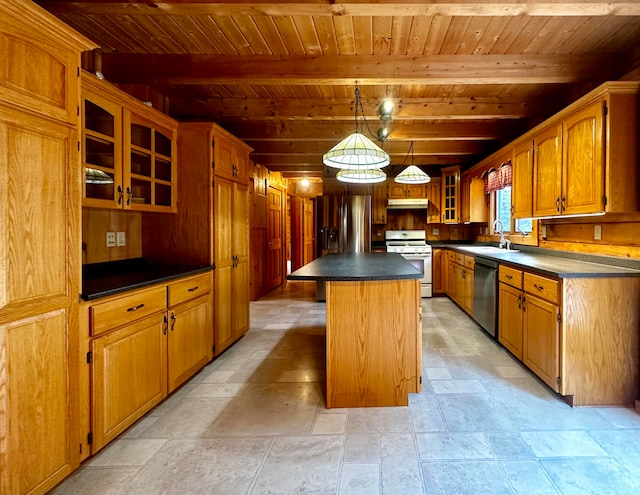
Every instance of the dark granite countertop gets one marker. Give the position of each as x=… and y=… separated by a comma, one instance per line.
x=547, y=264
x=106, y=279
x=357, y=267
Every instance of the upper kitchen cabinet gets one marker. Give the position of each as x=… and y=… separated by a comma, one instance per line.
x=451, y=195
x=522, y=183
x=586, y=156
x=396, y=190
x=230, y=161
x=379, y=203
x=129, y=151
x=473, y=200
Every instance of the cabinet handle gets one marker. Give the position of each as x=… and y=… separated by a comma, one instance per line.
x=558, y=204
x=563, y=207
x=539, y=287
x=520, y=301
x=120, y=195
x=166, y=325
x=192, y=289
x=510, y=277
x=129, y=196
x=524, y=300
x=136, y=308
x=173, y=321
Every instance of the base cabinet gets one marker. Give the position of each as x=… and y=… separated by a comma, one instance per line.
x=460, y=278
x=128, y=376
x=510, y=319
x=147, y=356
x=541, y=348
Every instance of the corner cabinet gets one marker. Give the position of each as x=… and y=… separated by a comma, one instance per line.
x=451, y=195
x=128, y=149
x=561, y=330
x=39, y=248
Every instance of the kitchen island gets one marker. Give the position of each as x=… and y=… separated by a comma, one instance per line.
x=373, y=332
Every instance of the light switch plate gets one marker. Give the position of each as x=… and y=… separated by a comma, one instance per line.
x=111, y=239
x=121, y=239
x=597, y=232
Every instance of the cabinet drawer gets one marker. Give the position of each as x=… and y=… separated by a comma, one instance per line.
x=469, y=262
x=542, y=287
x=117, y=312
x=510, y=276
x=460, y=259
x=189, y=288
x=451, y=256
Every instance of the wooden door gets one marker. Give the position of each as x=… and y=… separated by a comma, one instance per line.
x=395, y=190
x=542, y=339
x=275, y=258
x=415, y=191
x=308, y=228
x=510, y=319
x=451, y=195
x=37, y=379
x=451, y=278
x=583, y=161
x=223, y=165
x=522, y=183
x=39, y=181
x=458, y=284
x=190, y=340
x=129, y=376
x=240, y=245
x=478, y=207
x=468, y=277
x=547, y=172
x=224, y=260
x=241, y=161
x=465, y=199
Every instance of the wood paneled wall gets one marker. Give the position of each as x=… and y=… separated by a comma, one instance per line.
x=95, y=225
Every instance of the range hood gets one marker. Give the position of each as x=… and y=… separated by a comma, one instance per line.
x=408, y=204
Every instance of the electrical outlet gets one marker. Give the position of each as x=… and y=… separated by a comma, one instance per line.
x=111, y=239
x=435, y=231
x=597, y=232
x=121, y=239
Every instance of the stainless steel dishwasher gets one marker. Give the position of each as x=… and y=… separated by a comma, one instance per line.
x=485, y=299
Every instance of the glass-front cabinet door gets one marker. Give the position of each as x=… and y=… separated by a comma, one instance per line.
x=102, y=152
x=149, y=165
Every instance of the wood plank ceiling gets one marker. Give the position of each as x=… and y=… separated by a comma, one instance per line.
x=465, y=76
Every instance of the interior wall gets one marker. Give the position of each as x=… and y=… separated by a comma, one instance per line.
x=95, y=225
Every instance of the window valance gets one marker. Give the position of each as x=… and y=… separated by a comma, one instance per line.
x=496, y=179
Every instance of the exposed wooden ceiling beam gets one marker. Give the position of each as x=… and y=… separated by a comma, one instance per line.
x=487, y=131
x=343, y=109
x=350, y=8
x=318, y=148
x=349, y=69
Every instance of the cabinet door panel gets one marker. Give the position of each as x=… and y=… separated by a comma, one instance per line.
x=547, y=172
x=522, y=189
x=584, y=161
x=240, y=299
x=190, y=339
x=129, y=376
x=510, y=319
x=240, y=221
x=542, y=339
x=223, y=307
x=34, y=211
x=35, y=402
x=223, y=218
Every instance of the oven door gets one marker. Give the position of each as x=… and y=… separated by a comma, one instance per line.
x=422, y=262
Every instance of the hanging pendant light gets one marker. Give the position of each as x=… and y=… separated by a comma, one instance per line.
x=356, y=151
x=412, y=174
x=361, y=176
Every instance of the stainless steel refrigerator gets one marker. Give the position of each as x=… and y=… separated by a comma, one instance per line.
x=344, y=227
x=344, y=224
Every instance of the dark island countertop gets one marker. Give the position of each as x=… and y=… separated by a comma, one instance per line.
x=107, y=279
x=554, y=266
x=357, y=267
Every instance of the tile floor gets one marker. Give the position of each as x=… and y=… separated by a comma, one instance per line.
x=254, y=422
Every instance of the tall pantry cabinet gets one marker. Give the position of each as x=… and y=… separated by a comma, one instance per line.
x=212, y=222
x=39, y=248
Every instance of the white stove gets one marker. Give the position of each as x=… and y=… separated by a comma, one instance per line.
x=412, y=245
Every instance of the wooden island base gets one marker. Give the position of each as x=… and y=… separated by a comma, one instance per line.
x=374, y=342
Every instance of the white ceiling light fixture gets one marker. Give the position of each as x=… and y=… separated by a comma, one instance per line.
x=356, y=152
x=412, y=174
x=361, y=176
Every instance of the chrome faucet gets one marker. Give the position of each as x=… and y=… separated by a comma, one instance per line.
x=498, y=228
